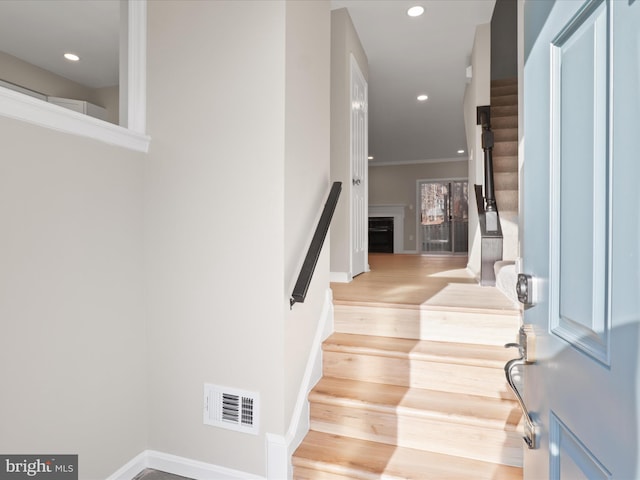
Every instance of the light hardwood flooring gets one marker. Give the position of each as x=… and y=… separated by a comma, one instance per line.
x=420, y=280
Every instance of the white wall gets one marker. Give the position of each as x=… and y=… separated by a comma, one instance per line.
x=344, y=43
x=237, y=171
x=73, y=339
x=215, y=221
x=307, y=123
x=478, y=92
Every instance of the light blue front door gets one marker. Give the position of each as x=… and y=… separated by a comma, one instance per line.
x=581, y=241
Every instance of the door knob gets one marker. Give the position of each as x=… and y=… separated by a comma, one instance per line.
x=356, y=181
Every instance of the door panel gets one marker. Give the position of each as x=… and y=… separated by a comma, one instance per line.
x=572, y=460
x=579, y=171
x=581, y=235
x=359, y=148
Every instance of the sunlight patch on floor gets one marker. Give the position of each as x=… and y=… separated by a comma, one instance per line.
x=462, y=273
x=466, y=295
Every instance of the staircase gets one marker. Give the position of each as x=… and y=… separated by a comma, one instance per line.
x=504, y=123
x=414, y=392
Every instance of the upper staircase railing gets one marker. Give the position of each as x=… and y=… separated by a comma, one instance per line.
x=489, y=218
x=310, y=261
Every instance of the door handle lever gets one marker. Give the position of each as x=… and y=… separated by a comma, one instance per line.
x=530, y=429
x=518, y=346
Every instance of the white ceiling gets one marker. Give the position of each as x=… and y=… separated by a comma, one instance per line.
x=409, y=56
x=41, y=31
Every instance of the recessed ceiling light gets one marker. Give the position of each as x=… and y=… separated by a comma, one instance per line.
x=370, y=157
x=422, y=98
x=460, y=151
x=72, y=57
x=415, y=11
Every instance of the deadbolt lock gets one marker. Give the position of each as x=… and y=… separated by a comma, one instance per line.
x=524, y=289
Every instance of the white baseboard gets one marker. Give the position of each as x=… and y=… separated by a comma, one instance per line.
x=340, y=277
x=185, y=467
x=131, y=468
x=278, y=459
x=299, y=425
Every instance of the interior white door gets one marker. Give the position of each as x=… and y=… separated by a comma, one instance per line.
x=359, y=149
x=581, y=236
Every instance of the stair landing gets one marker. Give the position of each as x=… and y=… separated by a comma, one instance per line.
x=424, y=281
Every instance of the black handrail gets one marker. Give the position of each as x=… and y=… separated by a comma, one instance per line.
x=310, y=261
x=483, y=117
x=488, y=216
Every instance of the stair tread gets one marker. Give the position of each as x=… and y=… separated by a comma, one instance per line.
x=504, y=99
x=504, y=110
x=363, y=459
x=503, y=90
x=505, y=121
x=455, y=297
x=418, y=402
x=425, y=350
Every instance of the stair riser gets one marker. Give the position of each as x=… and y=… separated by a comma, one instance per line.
x=472, y=380
x=505, y=181
x=450, y=438
x=505, y=134
x=508, y=149
x=507, y=200
x=435, y=325
x=505, y=164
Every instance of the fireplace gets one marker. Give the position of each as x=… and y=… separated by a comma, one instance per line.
x=381, y=234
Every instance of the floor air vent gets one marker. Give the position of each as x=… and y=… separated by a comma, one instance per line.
x=231, y=408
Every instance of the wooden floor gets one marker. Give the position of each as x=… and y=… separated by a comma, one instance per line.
x=420, y=280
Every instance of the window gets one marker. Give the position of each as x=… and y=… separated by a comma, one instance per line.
x=131, y=134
